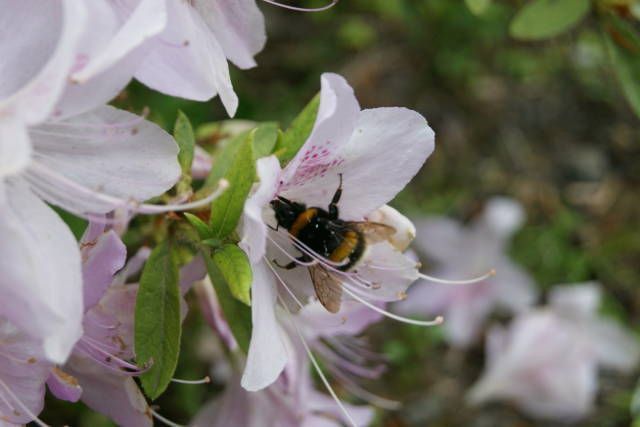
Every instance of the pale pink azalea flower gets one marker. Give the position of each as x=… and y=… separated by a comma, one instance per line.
x=292, y=400
x=358, y=144
x=287, y=402
x=547, y=360
x=471, y=250
x=189, y=57
x=87, y=163
x=101, y=362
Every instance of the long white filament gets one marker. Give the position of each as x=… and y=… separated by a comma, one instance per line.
x=316, y=366
x=205, y=380
x=163, y=419
x=353, y=279
x=437, y=321
x=113, y=201
x=471, y=281
x=22, y=406
x=302, y=9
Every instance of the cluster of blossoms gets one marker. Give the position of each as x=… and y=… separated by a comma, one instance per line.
x=546, y=361
x=68, y=309
x=60, y=143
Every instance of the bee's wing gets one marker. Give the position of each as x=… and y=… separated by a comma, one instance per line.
x=328, y=288
x=374, y=232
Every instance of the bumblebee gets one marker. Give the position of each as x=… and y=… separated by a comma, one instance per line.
x=342, y=243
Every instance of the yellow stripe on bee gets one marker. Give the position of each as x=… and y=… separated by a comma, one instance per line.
x=302, y=221
x=348, y=245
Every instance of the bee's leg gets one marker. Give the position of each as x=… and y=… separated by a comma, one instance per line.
x=292, y=264
x=289, y=266
x=333, y=206
x=276, y=228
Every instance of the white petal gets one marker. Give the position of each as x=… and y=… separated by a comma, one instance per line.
x=579, y=300
x=390, y=271
x=503, y=215
x=554, y=380
x=102, y=258
x=50, y=34
x=387, y=148
x=352, y=319
x=238, y=26
x=15, y=147
x=147, y=20
x=465, y=317
x=23, y=370
x=98, y=160
x=254, y=230
x=41, y=272
x=405, y=230
x=110, y=53
x=394, y=140
x=187, y=61
x=116, y=396
x=267, y=352
x=440, y=238
x=336, y=119
x=515, y=289
x=615, y=347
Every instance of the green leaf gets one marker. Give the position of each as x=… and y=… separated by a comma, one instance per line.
x=157, y=319
x=623, y=45
x=183, y=134
x=265, y=137
x=212, y=243
x=296, y=135
x=478, y=7
x=237, y=314
x=201, y=227
x=542, y=19
x=223, y=161
x=235, y=268
x=635, y=402
x=226, y=209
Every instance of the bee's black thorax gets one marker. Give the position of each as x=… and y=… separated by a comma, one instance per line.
x=321, y=230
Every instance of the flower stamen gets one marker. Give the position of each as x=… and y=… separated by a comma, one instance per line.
x=302, y=9
x=316, y=366
x=167, y=421
x=437, y=321
x=205, y=380
x=485, y=276
x=22, y=406
x=45, y=178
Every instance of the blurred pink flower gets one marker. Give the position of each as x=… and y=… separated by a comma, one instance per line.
x=472, y=250
x=285, y=403
x=291, y=400
x=546, y=361
x=358, y=144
